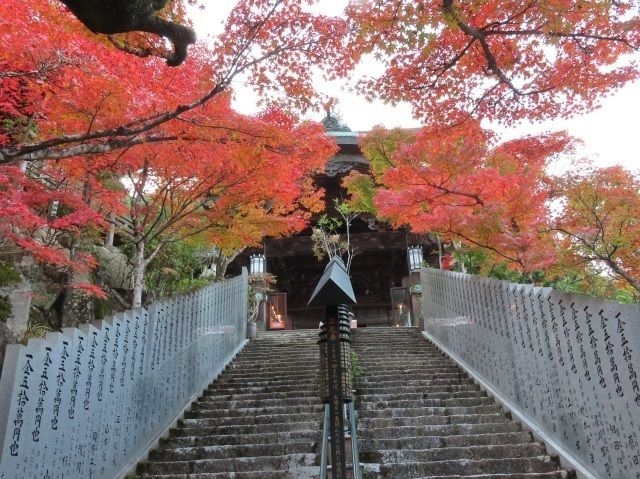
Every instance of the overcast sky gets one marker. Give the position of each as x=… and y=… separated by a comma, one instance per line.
x=611, y=135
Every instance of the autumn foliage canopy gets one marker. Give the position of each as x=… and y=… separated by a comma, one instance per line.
x=111, y=138
x=81, y=111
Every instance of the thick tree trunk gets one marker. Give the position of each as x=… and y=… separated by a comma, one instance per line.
x=222, y=261
x=120, y=16
x=138, y=274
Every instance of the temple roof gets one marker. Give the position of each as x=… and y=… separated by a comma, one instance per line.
x=333, y=124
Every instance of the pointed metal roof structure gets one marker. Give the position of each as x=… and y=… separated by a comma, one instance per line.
x=334, y=286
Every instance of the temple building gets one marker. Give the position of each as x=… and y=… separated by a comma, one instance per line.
x=380, y=270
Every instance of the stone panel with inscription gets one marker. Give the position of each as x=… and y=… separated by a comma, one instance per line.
x=569, y=362
x=85, y=402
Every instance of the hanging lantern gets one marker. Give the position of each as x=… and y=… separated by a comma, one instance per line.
x=414, y=254
x=257, y=264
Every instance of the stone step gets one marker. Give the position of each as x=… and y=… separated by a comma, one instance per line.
x=246, y=429
x=305, y=351
x=257, y=403
x=437, y=429
x=421, y=412
x=239, y=420
x=412, y=359
x=279, y=359
x=276, y=355
x=275, y=390
x=462, y=467
x=249, y=364
x=443, y=441
x=201, y=410
x=298, y=472
x=372, y=389
x=416, y=383
x=369, y=405
x=368, y=392
x=535, y=475
x=413, y=395
x=428, y=420
x=425, y=411
x=260, y=373
x=373, y=367
x=395, y=348
x=227, y=451
x=392, y=456
x=416, y=366
x=279, y=381
x=174, y=441
x=391, y=376
x=237, y=464
x=234, y=395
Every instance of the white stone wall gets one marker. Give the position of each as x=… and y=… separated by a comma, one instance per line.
x=85, y=402
x=569, y=362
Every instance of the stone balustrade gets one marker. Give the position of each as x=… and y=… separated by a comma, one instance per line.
x=86, y=403
x=567, y=363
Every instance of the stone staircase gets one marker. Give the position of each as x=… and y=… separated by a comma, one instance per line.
x=420, y=416
x=261, y=419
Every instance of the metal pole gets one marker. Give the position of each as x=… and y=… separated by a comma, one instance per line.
x=335, y=372
x=325, y=441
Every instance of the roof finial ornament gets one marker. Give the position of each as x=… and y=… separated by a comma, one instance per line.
x=330, y=122
x=327, y=108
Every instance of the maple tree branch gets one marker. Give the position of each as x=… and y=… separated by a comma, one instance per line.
x=132, y=133
x=488, y=247
x=103, y=98
x=37, y=152
x=161, y=244
x=606, y=257
x=570, y=35
x=136, y=50
x=43, y=67
x=480, y=36
x=477, y=201
x=109, y=17
x=47, y=149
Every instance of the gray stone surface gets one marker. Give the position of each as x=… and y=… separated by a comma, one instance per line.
x=420, y=416
x=83, y=403
x=20, y=296
x=115, y=267
x=569, y=362
x=260, y=419
x=6, y=338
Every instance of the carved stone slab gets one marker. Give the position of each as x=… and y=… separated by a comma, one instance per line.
x=570, y=362
x=83, y=403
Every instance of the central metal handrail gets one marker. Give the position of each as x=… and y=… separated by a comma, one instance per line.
x=355, y=453
x=324, y=453
x=352, y=430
